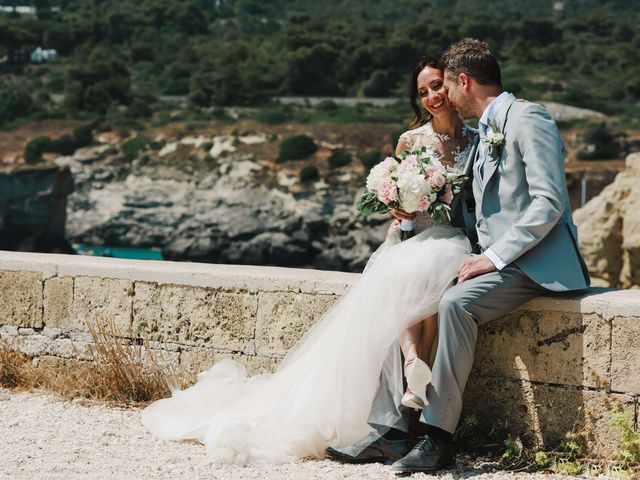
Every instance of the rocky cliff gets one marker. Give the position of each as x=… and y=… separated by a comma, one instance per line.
x=222, y=198
x=33, y=202
x=609, y=230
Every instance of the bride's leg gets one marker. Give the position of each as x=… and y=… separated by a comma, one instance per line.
x=410, y=342
x=416, y=344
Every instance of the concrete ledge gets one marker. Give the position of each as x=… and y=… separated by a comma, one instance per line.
x=560, y=363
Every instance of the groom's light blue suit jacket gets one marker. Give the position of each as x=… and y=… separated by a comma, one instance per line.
x=522, y=209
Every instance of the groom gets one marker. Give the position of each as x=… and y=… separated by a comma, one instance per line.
x=526, y=245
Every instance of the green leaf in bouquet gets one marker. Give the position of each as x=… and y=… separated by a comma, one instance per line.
x=369, y=203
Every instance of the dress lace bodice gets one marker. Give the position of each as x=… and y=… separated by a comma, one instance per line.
x=451, y=153
x=441, y=146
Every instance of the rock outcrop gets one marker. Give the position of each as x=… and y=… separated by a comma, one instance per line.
x=220, y=199
x=33, y=203
x=609, y=230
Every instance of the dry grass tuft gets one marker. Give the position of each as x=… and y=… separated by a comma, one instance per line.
x=120, y=372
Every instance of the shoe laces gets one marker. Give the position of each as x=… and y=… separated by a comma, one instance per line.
x=424, y=442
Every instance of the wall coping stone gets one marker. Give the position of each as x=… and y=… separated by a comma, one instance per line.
x=609, y=303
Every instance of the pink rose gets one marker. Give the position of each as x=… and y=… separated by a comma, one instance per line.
x=409, y=163
x=447, y=197
x=429, y=170
x=388, y=192
x=424, y=204
x=437, y=180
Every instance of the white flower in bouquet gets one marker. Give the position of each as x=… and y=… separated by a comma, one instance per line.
x=381, y=174
x=412, y=187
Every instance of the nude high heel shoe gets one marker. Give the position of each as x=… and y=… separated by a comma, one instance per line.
x=418, y=375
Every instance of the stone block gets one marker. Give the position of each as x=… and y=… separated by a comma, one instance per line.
x=543, y=415
x=625, y=364
x=284, y=317
x=147, y=312
x=192, y=362
x=553, y=347
x=21, y=298
x=58, y=301
x=195, y=316
x=102, y=302
x=259, y=365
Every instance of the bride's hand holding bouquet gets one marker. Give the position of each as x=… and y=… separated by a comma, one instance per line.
x=409, y=183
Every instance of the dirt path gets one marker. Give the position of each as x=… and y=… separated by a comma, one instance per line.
x=43, y=437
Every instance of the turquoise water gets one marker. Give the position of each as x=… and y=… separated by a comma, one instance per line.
x=119, y=252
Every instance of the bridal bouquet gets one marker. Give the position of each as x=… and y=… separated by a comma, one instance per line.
x=414, y=182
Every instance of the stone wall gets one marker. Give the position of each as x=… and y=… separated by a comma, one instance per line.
x=558, y=364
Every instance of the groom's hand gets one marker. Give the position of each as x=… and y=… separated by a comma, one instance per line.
x=474, y=266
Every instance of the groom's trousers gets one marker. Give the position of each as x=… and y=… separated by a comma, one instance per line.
x=462, y=309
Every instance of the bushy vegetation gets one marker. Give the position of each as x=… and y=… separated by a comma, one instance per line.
x=602, y=142
x=339, y=158
x=369, y=159
x=133, y=146
x=64, y=145
x=309, y=173
x=240, y=52
x=296, y=147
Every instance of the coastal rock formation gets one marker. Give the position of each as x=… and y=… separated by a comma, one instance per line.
x=220, y=199
x=33, y=202
x=609, y=230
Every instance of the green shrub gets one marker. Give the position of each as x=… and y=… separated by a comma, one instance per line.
x=327, y=106
x=296, y=147
x=64, y=145
x=83, y=135
x=132, y=147
x=271, y=117
x=369, y=159
x=309, y=173
x=35, y=148
x=339, y=158
x=604, y=144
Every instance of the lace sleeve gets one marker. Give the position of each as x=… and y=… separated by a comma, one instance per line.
x=407, y=139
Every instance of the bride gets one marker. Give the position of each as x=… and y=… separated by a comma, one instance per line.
x=322, y=394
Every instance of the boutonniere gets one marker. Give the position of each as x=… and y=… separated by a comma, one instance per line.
x=494, y=140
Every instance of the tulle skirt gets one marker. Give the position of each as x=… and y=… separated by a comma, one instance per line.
x=322, y=393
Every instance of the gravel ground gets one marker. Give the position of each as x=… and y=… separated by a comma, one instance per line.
x=44, y=437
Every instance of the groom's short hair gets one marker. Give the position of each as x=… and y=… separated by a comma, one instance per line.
x=474, y=58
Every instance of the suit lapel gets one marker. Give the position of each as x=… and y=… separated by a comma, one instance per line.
x=468, y=166
x=491, y=163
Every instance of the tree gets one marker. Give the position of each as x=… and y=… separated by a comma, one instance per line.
x=94, y=85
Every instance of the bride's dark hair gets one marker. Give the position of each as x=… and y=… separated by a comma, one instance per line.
x=421, y=115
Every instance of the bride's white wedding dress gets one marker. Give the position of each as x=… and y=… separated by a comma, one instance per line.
x=322, y=393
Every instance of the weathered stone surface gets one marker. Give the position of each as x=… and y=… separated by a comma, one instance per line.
x=56, y=365
x=21, y=298
x=192, y=362
x=195, y=316
x=555, y=347
x=102, y=301
x=37, y=345
x=609, y=230
x=147, y=312
x=58, y=301
x=544, y=415
x=625, y=339
x=283, y=318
